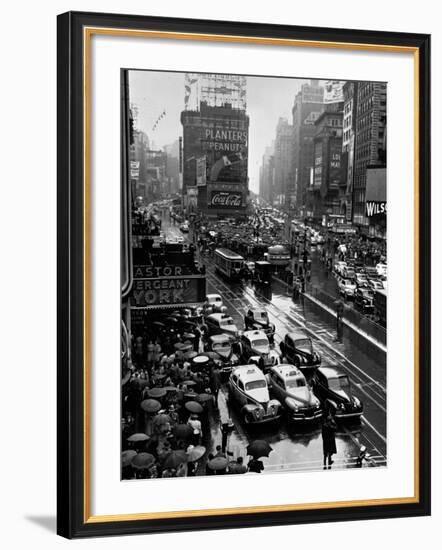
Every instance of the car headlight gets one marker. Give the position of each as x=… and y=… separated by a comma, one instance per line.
x=356, y=402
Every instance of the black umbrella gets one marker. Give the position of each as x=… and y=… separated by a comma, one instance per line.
x=136, y=438
x=204, y=397
x=174, y=459
x=218, y=463
x=150, y=405
x=127, y=456
x=142, y=461
x=182, y=431
x=259, y=448
x=156, y=393
x=193, y=407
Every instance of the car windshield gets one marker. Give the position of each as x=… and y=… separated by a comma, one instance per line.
x=339, y=383
x=261, y=315
x=304, y=344
x=221, y=346
x=256, y=384
x=261, y=342
x=295, y=383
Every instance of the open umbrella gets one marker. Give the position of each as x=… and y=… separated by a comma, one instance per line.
x=156, y=393
x=174, y=459
x=150, y=405
x=127, y=456
x=182, y=431
x=204, y=397
x=186, y=348
x=137, y=438
x=190, y=354
x=170, y=389
x=189, y=383
x=179, y=346
x=218, y=463
x=193, y=407
x=259, y=448
x=200, y=360
x=142, y=461
x=196, y=453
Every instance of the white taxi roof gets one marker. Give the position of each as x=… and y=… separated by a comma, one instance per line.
x=249, y=372
x=255, y=334
x=287, y=371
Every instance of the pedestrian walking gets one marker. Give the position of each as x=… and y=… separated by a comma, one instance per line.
x=256, y=466
x=328, y=440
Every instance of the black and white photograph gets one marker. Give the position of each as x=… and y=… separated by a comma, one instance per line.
x=254, y=326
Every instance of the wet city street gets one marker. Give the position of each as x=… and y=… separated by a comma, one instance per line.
x=300, y=447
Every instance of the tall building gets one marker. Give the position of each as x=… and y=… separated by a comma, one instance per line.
x=267, y=174
x=350, y=95
x=370, y=142
x=323, y=192
x=308, y=106
x=283, y=162
x=215, y=144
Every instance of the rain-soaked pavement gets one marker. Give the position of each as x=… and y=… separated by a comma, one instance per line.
x=300, y=448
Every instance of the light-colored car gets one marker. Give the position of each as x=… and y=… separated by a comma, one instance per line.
x=221, y=323
x=289, y=386
x=346, y=288
x=255, y=348
x=339, y=266
x=375, y=284
x=184, y=227
x=214, y=304
x=248, y=389
x=381, y=269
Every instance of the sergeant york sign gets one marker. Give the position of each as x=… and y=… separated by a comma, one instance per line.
x=168, y=291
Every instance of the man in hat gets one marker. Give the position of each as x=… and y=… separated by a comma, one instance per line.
x=195, y=423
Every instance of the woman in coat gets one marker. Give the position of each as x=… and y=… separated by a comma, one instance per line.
x=328, y=440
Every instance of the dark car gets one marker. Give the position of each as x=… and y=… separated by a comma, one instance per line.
x=297, y=348
x=263, y=273
x=258, y=319
x=223, y=347
x=332, y=386
x=364, y=300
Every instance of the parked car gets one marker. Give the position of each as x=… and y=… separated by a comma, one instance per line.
x=289, y=386
x=381, y=269
x=249, y=391
x=297, y=349
x=258, y=319
x=364, y=300
x=339, y=266
x=221, y=323
x=214, y=304
x=255, y=348
x=361, y=280
x=375, y=284
x=346, y=288
x=332, y=386
x=349, y=273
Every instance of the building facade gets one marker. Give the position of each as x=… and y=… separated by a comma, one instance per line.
x=370, y=143
x=215, y=144
x=308, y=106
x=267, y=175
x=350, y=92
x=325, y=185
x=283, y=163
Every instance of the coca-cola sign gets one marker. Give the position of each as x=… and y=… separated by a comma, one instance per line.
x=225, y=199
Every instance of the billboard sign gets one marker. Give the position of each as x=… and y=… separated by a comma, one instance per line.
x=376, y=192
x=134, y=169
x=334, y=92
x=201, y=171
x=225, y=199
x=172, y=291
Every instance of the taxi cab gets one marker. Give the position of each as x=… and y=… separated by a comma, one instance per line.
x=249, y=391
x=221, y=323
x=288, y=384
x=255, y=348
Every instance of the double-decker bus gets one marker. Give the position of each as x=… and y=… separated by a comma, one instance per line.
x=228, y=263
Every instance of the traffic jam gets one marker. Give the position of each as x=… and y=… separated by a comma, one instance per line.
x=243, y=356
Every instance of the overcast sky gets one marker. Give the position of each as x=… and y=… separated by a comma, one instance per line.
x=267, y=99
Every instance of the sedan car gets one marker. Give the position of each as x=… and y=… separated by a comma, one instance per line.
x=364, y=300
x=255, y=348
x=289, y=386
x=346, y=288
x=339, y=266
x=375, y=284
x=214, y=304
x=184, y=227
x=297, y=349
x=249, y=391
x=332, y=386
x=258, y=319
x=220, y=323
